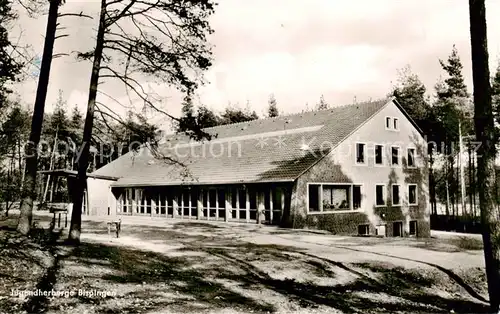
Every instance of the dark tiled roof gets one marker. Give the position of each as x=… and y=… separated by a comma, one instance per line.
x=263, y=150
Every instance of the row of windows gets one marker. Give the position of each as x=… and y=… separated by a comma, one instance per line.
x=381, y=197
x=379, y=155
x=335, y=197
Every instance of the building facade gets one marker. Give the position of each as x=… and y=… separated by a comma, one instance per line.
x=354, y=169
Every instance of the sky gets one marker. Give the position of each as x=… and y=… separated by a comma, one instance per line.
x=296, y=49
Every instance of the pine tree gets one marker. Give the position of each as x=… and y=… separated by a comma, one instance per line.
x=206, y=118
x=272, y=109
x=452, y=109
x=9, y=68
x=322, y=104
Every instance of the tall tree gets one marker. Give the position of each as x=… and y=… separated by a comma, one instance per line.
x=322, y=104
x=29, y=186
x=162, y=39
x=453, y=111
x=272, y=109
x=485, y=133
x=9, y=68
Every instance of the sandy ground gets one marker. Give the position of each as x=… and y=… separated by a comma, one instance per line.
x=181, y=266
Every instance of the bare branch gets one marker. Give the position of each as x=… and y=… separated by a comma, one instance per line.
x=61, y=36
x=76, y=15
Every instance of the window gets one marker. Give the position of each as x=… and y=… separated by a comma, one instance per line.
x=334, y=197
x=360, y=153
x=387, y=122
x=395, y=155
x=412, y=194
x=411, y=157
x=397, y=229
x=379, y=191
x=379, y=151
x=356, y=196
x=314, y=197
x=396, y=199
x=413, y=227
x=363, y=229
x=396, y=126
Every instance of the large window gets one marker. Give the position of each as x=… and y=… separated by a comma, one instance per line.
x=334, y=197
x=412, y=194
x=380, y=195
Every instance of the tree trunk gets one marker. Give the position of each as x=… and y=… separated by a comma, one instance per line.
x=485, y=133
x=29, y=186
x=81, y=181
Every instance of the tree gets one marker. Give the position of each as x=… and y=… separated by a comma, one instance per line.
x=29, y=183
x=485, y=133
x=9, y=68
x=14, y=133
x=410, y=92
x=206, y=118
x=233, y=114
x=322, y=104
x=272, y=109
x=161, y=39
x=453, y=112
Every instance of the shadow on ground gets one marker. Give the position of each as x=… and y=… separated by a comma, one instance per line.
x=212, y=272
x=196, y=268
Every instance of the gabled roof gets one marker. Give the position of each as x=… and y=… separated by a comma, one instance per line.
x=266, y=150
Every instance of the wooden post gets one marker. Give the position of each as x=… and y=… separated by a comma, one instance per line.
x=261, y=206
x=208, y=204
x=271, y=205
x=175, y=206
x=247, y=201
x=153, y=206
x=216, y=204
x=200, y=204
x=238, y=204
x=282, y=192
x=228, y=204
x=182, y=205
x=190, y=202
